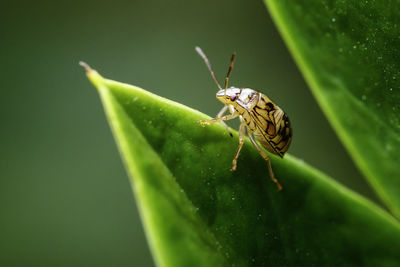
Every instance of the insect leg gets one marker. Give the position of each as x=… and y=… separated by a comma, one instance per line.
x=265, y=156
x=223, y=118
x=242, y=134
x=219, y=115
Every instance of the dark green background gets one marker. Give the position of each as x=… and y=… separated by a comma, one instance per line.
x=65, y=199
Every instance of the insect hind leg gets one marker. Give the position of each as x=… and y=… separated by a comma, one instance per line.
x=268, y=160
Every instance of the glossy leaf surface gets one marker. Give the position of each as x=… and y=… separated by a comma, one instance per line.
x=196, y=212
x=349, y=53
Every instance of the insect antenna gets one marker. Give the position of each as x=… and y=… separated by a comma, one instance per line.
x=201, y=53
x=229, y=71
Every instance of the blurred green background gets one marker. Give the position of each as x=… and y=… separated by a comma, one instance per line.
x=65, y=199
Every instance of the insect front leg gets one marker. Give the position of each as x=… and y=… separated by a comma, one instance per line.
x=219, y=115
x=265, y=156
x=242, y=134
x=220, y=119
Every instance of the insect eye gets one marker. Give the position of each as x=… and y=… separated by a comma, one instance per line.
x=233, y=98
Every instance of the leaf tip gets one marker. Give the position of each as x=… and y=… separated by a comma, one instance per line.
x=85, y=66
x=92, y=74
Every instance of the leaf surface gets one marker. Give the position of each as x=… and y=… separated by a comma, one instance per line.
x=196, y=212
x=349, y=53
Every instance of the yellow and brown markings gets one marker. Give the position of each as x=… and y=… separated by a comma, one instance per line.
x=273, y=126
x=284, y=135
x=263, y=114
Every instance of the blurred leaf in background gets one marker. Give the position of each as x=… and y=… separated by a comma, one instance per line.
x=349, y=52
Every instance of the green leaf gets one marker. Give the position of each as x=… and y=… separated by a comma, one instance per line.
x=349, y=53
x=196, y=212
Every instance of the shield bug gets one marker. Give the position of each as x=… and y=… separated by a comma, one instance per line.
x=264, y=122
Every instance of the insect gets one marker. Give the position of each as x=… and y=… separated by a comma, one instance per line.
x=264, y=122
